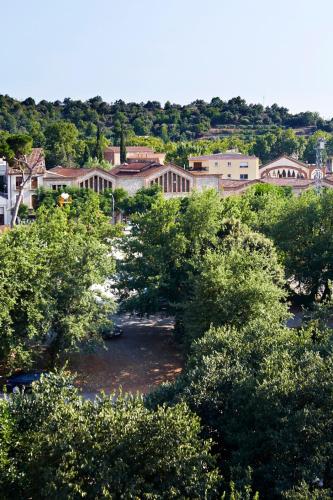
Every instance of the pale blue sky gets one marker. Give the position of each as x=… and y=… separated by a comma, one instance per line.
x=178, y=50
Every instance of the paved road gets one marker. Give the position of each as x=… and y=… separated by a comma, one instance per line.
x=142, y=358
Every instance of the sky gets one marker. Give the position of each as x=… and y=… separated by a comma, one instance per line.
x=265, y=51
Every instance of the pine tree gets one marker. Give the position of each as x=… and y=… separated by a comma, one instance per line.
x=99, y=150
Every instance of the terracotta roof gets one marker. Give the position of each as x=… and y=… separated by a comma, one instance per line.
x=133, y=168
x=237, y=183
x=223, y=156
x=290, y=158
x=294, y=182
x=68, y=172
x=329, y=179
x=159, y=167
x=35, y=159
x=130, y=149
x=145, y=169
x=71, y=173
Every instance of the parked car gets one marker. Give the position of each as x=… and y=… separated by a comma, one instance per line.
x=115, y=332
x=21, y=381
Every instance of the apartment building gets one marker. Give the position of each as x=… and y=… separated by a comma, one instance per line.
x=229, y=165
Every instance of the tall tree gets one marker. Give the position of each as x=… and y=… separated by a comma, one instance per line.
x=86, y=155
x=235, y=285
x=123, y=153
x=15, y=149
x=99, y=146
x=48, y=269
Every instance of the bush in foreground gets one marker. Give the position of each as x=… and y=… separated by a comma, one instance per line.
x=55, y=444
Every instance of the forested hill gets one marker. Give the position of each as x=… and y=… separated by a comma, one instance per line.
x=76, y=132
x=170, y=122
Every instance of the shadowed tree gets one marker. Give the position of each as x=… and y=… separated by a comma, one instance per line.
x=16, y=149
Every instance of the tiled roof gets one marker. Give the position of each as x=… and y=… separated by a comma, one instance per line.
x=71, y=173
x=237, y=183
x=133, y=168
x=68, y=172
x=223, y=156
x=290, y=158
x=294, y=182
x=329, y=178
x=130, y=149
x=35, y=159
x=144, y=169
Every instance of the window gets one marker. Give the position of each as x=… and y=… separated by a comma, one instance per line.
x=34, y=183
x=244, y=164
x=229, y=175
x=197, y=165
x=243, y=176
x=229, y=163
x=3, y=186
x=34, y=201
x=216, y=164
x=19, y=180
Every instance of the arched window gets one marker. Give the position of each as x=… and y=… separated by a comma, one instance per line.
x=172, y=182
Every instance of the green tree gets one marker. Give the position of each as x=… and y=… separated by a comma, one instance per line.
x=235, y=285
x=302, y=230
x=61, y=446
x=86, y=156
x=123, y=154
x=309, y=154
x=60, y=140
x=15, y=148
x=48, y=269
x=100, y=145
x=264, y=394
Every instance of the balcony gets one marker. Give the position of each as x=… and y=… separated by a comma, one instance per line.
x=198, y=169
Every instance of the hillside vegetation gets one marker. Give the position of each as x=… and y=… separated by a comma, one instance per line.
x=76, y=132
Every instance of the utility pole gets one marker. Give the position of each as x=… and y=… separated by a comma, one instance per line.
x=112, y=198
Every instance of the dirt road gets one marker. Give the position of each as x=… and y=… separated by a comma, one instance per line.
x=143, y=357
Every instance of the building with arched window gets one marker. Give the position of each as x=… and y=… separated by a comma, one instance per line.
x=287, y=167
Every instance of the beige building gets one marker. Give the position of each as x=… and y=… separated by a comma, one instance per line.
x=234, y=166
x=173, y=180
x=143, y=153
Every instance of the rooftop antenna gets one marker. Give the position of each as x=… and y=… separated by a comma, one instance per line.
x=320, y=148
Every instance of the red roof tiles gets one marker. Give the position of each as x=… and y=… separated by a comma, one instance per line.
x=130, y=149
x=35, y=159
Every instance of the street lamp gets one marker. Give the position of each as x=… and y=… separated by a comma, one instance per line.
x=64, y=199
x=111, y=194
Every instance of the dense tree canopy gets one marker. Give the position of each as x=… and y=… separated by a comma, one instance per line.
x=264, y=395
x=74, y=132
x=47, y=271
x=56, y=445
